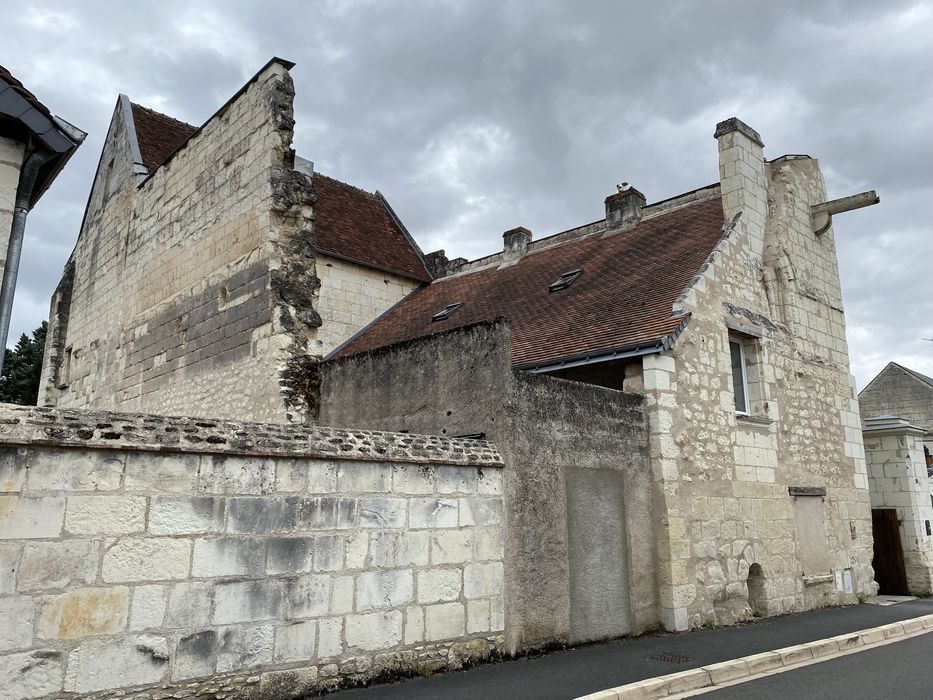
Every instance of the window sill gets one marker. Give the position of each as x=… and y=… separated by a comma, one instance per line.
x=753, y=421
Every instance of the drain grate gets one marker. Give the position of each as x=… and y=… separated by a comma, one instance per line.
x=671, y=658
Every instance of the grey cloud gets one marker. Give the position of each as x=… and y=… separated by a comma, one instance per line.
x=473, y=117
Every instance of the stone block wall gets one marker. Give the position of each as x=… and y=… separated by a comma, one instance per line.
x=723, y=480
x=898, y=479
x=350, y=297
x=193, y=271
x=896, y=392
x=144, y=556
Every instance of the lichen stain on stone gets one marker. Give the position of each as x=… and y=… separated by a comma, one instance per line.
x=85, y=613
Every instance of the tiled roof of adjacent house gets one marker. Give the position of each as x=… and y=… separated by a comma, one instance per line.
x=348, y=222
x=623, y=298
x=158, y=135
x=358, y=225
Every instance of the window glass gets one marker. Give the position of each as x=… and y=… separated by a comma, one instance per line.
x=738, y=377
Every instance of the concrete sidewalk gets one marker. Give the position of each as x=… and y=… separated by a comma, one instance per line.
x=575, y=672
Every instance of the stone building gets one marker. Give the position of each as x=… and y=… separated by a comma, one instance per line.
x=196, y=285
x=34, y=147
x=902, y=392
x=668, y=386
x=720, y=313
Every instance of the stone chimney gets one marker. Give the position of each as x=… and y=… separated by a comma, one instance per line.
x=623, y=209
x=515, y=242
x=440, y=266
x=743, y=183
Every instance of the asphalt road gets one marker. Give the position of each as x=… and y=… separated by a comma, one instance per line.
x=568, y=674
x=902, y=670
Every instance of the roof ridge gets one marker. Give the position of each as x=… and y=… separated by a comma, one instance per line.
x=922, y=377
x=162, y=114
x=495, y=259
x=345, y=184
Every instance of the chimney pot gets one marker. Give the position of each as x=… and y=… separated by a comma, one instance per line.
x=515, y=242
x=623, y=209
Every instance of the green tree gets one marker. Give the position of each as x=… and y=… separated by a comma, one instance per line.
x=22, y=367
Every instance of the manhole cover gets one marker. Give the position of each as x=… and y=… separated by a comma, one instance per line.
x=671, y=658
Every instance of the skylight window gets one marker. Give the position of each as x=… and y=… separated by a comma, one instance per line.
x=564, y=281
x=446, y=312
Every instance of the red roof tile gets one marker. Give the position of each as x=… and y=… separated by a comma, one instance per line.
x=158, y=135
x=624, y=297
x=355, y=224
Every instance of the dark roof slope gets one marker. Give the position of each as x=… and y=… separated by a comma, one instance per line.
x=623, y=298
x=21, y=89
x=158, y=135
x=922, y=377
x=358, y=225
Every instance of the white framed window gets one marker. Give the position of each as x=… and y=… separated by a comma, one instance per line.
x=739, y=375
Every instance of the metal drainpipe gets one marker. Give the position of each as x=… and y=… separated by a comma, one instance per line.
x=27, y=181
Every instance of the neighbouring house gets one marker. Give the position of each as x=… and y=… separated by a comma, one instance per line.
x=900, y=391
x=196, y=285
x=897, y=427
x=673, y=435
x=34, y=147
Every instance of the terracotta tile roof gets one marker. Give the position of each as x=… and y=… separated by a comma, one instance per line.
x=358, y=225
x=20, y=88
x=158, y=135
x=624, y=296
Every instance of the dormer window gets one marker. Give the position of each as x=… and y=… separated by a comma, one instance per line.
x=446, y=312
x=565, y=280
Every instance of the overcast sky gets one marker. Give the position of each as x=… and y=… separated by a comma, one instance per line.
x=476, y=117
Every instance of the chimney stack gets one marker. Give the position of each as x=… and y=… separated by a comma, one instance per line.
x=623, y=209
x=515, y=242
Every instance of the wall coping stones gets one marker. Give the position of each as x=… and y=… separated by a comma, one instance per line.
x=31, y=425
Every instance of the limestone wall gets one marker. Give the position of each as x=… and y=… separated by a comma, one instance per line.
x=11, y=161
x=579, y=547
x=144, y=556
x=898, y=478
x=724, y=480
x=895, y=392
x=175, y=279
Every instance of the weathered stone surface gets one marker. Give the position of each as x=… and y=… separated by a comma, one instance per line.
x=247, y=601
x=414, y=624
x=148, y=607
x=482, y=580
x=436, y=585
x=295, y=642
x=452, y=547
x=12, y=469
x=146, y=559
x=31, y=674
x=330, y=631
x=10, y=553
x=195, y=655
x=329, y=552
x=58, y=564
x=361, y=477
x=480, y=511
x=112, y=515
x=244, y=647
x=290, y=555
x=27, y=517
x=237, y=475
x=189, y=605
x=433, y=512
x=372, y=631
x=83, y=613
x=292, y=683
x=444, y=621
x=341, y=599
x=184, y=516
x=17, y=614
x=115, y=663
x=308, y=596
x=228, y=556
x=383, y=589
x=172, y=473
x=383, y=512
x=393, y=549
x=74, y=470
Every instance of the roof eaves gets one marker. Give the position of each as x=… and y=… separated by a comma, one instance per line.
x=644, y=347
x=411, y=240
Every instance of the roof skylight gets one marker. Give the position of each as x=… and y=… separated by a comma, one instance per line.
x=565, y=280
x=446, y=312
